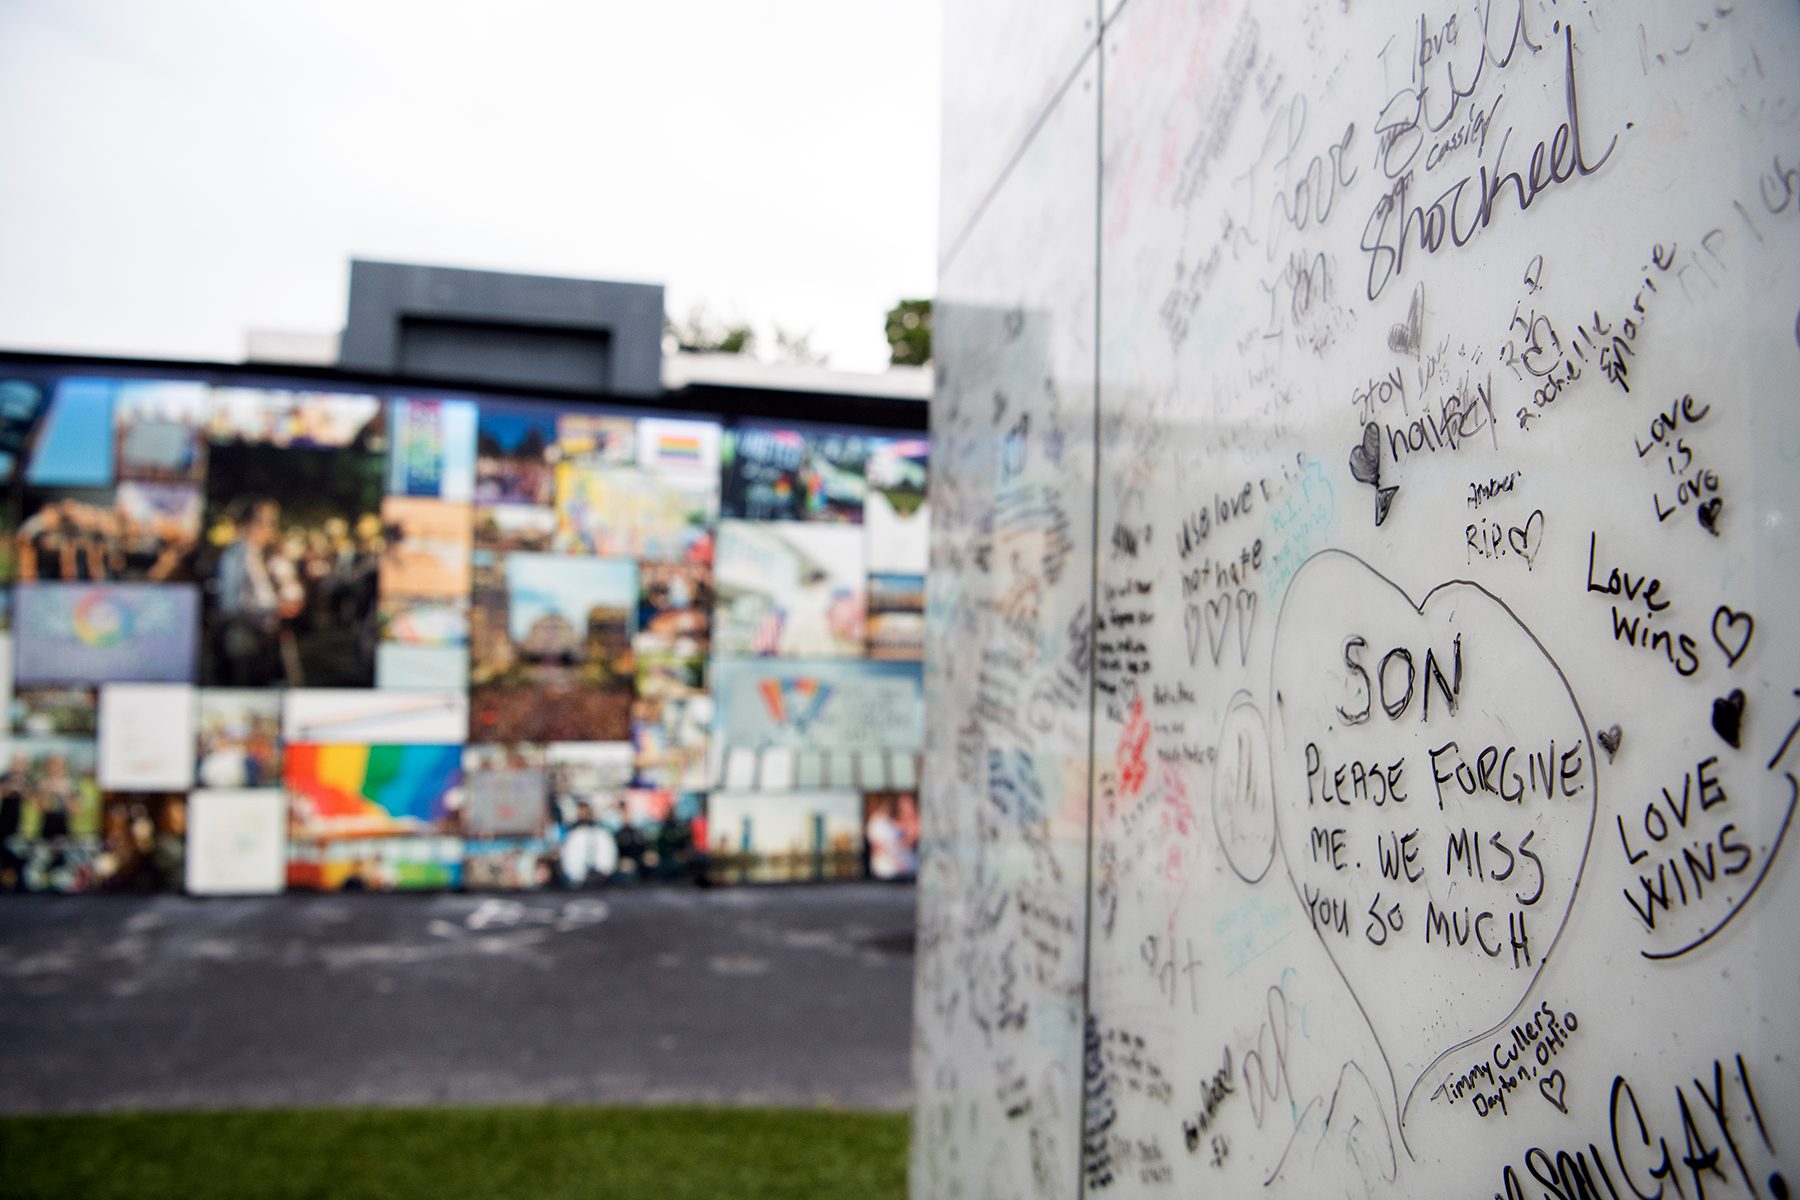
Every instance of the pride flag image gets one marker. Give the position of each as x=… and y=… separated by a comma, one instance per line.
x=364, y=790
x=794, y=701
x=681, y=448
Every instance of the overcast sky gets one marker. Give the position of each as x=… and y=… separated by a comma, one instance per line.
x=179, y=171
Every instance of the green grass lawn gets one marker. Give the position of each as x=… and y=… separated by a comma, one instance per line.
x=535, y=1153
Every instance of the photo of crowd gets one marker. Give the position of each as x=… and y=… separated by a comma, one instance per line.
x=550, y=651
x=49, y=816
x=632, y=836
x=144, y=532
x=294, y=545
x=143, y=843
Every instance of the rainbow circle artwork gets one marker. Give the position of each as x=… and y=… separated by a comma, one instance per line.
x=100, y=622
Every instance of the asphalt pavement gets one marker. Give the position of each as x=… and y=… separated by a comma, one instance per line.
x=796, y=996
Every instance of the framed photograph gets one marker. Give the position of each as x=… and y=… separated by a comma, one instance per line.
x=374, y=716
x=425, y=548
x=294, y=544
x=795, y=475
x=672, y=446
x=550, y=655
x=790, y=589
x=896, y=517
x=622, y=512
x=55, y=710
x=284, y=419
x=897, y=617
x=236, y=842
x=57, y=846
x=144, y=840
x=105, y=633
x=239, y=739
x=74, y=443
x=147, y=737
x=367, y=791
x=515, y=454
x=820, y=705
x=431, y=448
x=891, y=833
x=405, y=667
x=161, y=430
x=764, y=837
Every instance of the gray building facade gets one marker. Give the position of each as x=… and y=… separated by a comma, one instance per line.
x=525, y=331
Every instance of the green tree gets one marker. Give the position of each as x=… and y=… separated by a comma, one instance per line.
x=909, y=333
x=700, y=334
x=797, y=348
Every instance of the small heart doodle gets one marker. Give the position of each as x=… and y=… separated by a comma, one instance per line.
x=1404, y=339
x=1609, y=740
x=1365, y=467
x=1246, y=622
x=1365, y=459
x=1555, y=1088
x=1527, y=539
x=1218, y=616
x=1193, y=635
x=1731, y=618
x=1728, y=717
x=1709, y=515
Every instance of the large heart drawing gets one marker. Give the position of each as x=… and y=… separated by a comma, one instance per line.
x=1435, y=797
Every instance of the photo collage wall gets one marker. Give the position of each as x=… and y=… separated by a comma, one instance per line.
x=282, y=637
